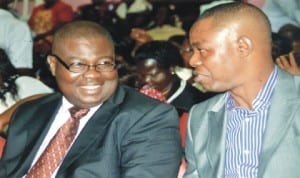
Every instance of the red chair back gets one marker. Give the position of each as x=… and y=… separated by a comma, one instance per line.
x=2, y=144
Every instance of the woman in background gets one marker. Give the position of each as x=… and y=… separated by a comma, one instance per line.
x=156, y=62
x=14, y=87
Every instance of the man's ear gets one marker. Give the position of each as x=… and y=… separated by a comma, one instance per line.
x=52, y=64
x=245, y=46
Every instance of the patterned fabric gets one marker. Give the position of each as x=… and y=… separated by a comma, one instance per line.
x=153, y=93
x=58, y=146
x=43, y=20
x=245, y=131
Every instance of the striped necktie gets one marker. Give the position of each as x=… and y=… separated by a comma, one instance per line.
x=58, y=146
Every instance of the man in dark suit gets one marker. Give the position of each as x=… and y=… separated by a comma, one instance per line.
x=124, y=134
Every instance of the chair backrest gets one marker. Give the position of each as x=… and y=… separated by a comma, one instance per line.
x=2, y=144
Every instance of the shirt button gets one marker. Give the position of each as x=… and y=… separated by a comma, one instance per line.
x=247, y=119
x=246, y=152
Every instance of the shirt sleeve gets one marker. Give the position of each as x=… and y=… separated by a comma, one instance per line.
x=20, y=45
x=28, y=86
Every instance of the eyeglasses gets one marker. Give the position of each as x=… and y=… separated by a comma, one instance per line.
x=77, y=67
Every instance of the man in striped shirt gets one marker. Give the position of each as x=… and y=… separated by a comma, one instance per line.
x=252, y=129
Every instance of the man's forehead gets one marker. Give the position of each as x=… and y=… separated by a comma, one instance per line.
x=202, y=25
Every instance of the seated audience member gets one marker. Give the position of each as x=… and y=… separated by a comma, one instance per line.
x=184, y=71
x=164, y=26
x=92, y=11
x=252, y=129
x=156, y=62
x=139, y=17
x=138, y=13
x=124, y=62
x=290, y=62
x=292, y=33
x=140, y=36
x=16, y=40
x=161, y=27
x=186, y=51
x=280, y=46
x=279, y=12
x=296, y=41
x=99, y=11
x=182, y=43
x=14, y=87
x=112, y=130
x=289, y=31
x=42, y=72
x=45, y=19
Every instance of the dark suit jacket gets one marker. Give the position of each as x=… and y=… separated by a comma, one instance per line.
x=130, y=135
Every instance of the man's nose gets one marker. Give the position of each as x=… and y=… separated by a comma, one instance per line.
x=195, y=60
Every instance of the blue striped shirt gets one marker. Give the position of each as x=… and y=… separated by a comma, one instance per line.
x=244, y=134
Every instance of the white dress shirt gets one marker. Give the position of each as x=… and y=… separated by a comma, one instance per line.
x=16, y=40
x=61, y=117
x=27, y=86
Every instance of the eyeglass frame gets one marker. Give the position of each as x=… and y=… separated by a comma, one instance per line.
x=86, y=66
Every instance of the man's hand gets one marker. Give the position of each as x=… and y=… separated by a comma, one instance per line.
x=288, y=63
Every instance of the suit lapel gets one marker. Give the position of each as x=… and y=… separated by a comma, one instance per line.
x=95, y=129
x=216, y=138
x=36, y=131
x=284, y=104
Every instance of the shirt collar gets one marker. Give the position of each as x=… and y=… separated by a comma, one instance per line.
x=5, y=13
x=66, y=105
x=263, y=97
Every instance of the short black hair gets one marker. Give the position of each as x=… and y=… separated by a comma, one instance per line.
x=9, y=74
x=163, y=52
